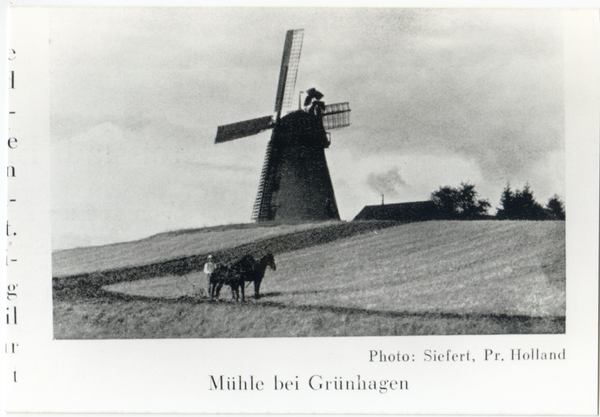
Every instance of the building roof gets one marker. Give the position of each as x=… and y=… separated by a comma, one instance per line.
x=401, y=212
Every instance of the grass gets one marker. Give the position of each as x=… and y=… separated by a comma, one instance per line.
x=133, y=318
x=165, y=246
x=485, y=277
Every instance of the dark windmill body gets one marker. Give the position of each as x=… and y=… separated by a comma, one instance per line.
x=295, y=185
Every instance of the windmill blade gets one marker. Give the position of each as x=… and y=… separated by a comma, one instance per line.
x=289, y=69
x=238, y=130
x=336, y=116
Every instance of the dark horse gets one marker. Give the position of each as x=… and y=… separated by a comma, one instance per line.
x=245, y=270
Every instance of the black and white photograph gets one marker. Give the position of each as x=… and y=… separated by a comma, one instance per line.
x=302, y=210
x=306, y=172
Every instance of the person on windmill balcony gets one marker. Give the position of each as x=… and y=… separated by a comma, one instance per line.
x=318, y=107
x=209, y=268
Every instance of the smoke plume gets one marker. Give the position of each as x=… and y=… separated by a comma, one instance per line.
x=388, y=183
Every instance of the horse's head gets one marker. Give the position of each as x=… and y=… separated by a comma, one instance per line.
x=268, y=261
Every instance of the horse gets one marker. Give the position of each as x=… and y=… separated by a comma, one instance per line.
x=254, y=271
x=245, y=270
x=224, y=275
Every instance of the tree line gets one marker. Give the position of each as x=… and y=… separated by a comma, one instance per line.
x=463, y=203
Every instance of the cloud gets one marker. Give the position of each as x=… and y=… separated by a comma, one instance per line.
x=484, y=85
x=421, y=174
x=388, y=183
x=440, y=96
x=112, y=183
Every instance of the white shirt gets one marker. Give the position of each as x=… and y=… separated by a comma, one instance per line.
x=209, y=267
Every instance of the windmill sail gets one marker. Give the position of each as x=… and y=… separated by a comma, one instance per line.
x=289, y=69
x=242, y=129
x=295, y=184
x=336, y=116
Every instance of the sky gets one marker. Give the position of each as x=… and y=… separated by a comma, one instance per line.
x=438, y=97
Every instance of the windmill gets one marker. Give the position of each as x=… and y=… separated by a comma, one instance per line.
x=295, y=185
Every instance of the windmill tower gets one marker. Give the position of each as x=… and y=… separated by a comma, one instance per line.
x=295, y=185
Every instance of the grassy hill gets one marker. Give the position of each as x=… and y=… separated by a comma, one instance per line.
x=165, y=246
x=348, y=279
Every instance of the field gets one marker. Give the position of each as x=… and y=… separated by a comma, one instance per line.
x=332, y=279
x=165, y=246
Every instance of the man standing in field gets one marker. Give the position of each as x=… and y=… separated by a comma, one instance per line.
x=209, y=268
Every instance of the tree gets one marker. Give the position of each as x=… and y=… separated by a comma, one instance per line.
x=445, y=200
x=555, y=208
x=520, y=205
x=469, y=207
x=507, y=201
x=461, y=203
x=526, y=206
